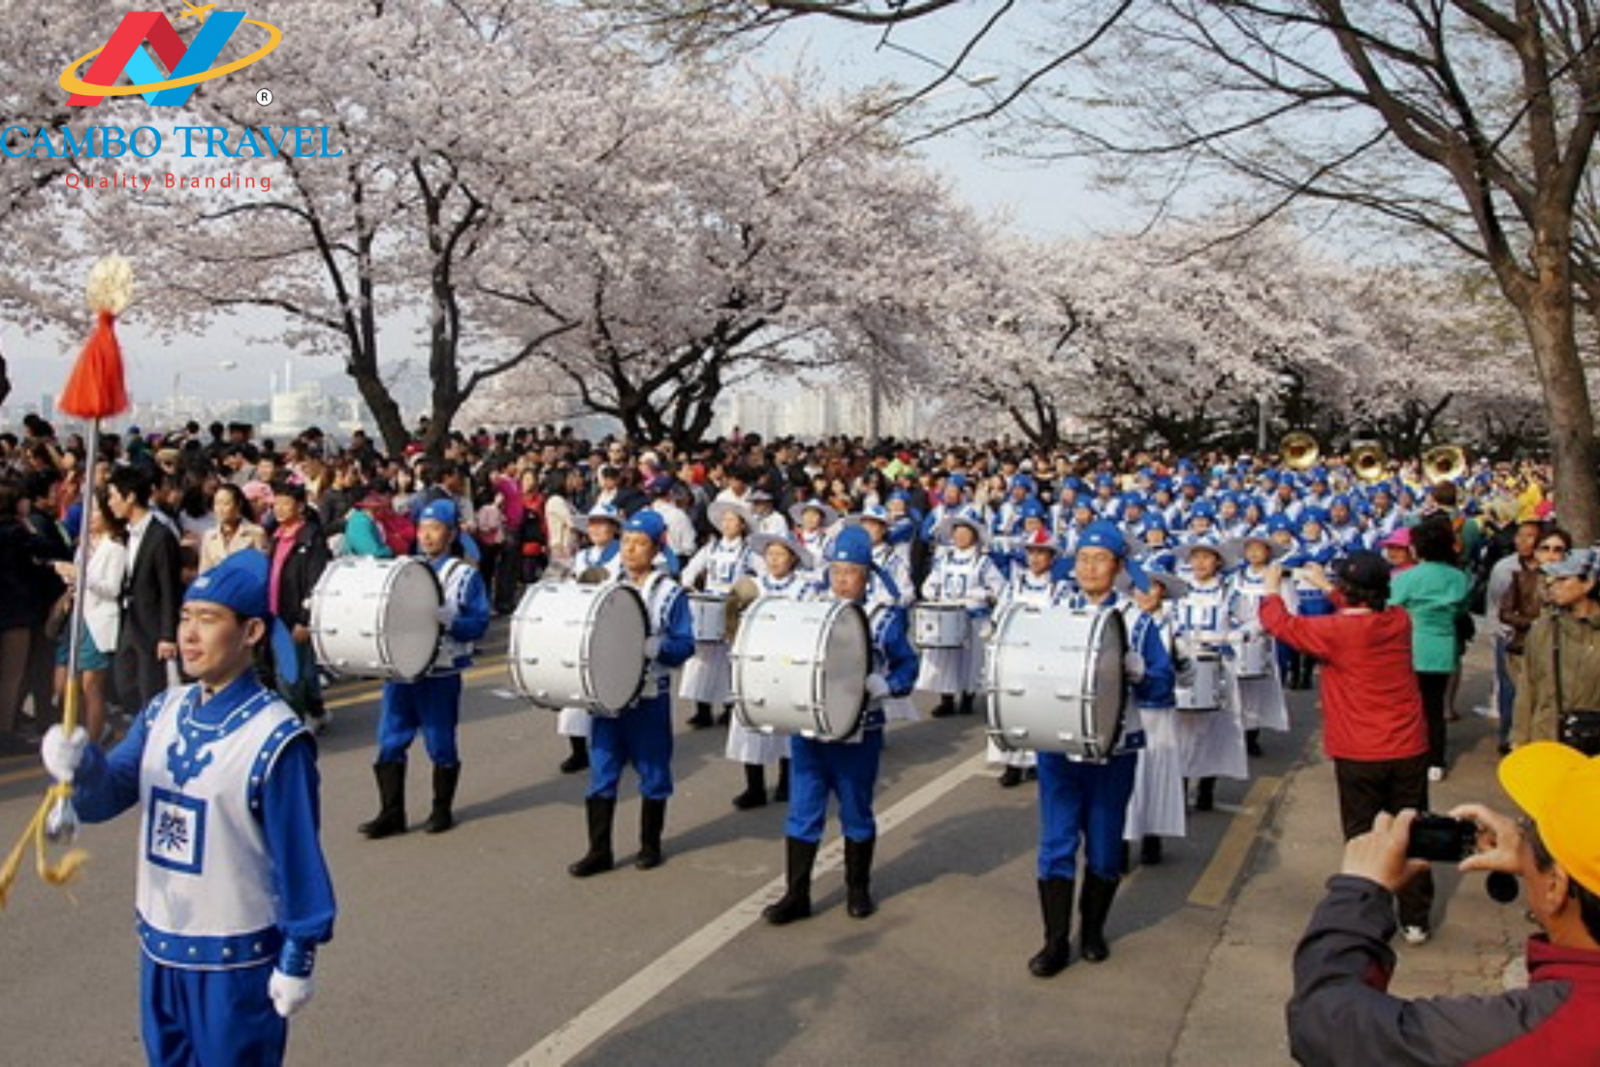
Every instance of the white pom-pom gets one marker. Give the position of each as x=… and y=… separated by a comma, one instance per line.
x=111, y=285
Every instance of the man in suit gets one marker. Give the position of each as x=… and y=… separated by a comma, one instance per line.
x=150, y=595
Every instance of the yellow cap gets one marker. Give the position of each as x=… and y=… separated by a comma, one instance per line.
x=1559, y=788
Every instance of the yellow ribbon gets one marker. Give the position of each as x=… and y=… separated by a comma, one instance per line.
x=58, y=874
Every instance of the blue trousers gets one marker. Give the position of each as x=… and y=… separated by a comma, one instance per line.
x=431, y=703
x=1505, y=689
x=1085, y=802
x=641, y=736
x=209, y=1018
x=849, y=771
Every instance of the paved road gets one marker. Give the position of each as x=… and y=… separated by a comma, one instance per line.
x=475, y=947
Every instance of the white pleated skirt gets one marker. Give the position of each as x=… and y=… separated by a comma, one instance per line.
x=1212, y=743
x=573, y=722
x=1157, y=805
x=708, y=675
x=752, y=746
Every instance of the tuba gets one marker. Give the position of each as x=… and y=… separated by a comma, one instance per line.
x=1369, y=462
x=1444, y=463
x=1300, y=451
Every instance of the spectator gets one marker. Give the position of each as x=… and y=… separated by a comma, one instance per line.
x=1341, y=1011
x=299, y=556
x=1434, y=593
x=102, y=616
x=1561, y=668
x=233, y=531
x=1373, y=725
x=1508, y=634
x=147, y=641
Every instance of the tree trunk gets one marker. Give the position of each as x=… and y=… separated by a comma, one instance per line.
x=5, y=380
x=391, y=422
x=1548, y=317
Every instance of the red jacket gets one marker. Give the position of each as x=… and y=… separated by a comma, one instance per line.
x=1371, y=707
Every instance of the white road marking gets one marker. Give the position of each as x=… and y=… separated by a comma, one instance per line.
x=580, y=1032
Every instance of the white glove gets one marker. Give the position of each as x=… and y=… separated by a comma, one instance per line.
x=877, y=686
x=1133, y=667
x=445, y=614
x=652, y=647
x=289, y=994
x=63, y=754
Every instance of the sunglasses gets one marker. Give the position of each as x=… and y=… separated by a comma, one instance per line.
x=1557, y=547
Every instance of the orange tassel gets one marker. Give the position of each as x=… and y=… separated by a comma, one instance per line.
x=97, y=388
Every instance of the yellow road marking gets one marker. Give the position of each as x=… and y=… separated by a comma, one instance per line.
x=1227, y=863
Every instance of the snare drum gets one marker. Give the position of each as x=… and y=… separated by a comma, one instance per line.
x=938, y=624
x=1055, y=680
x=1253, y=657
x=580, y=646
x=709, y=613
x=800, y=667
x=1199, y=688
x=376, y=618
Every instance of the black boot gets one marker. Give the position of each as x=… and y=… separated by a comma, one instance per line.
x=796, y=900
x=702, y=716
x=443, y=817
x=726, y=716
x=780, y=792
x=579, y=760
x=652, y=821
x=968, y=700
x=1150, y=851
x=755, y=788
x=1093, y=908
x=1205, y=797
x=858, y=877
x=1011, y=777
x=1252, y=742
x=601, y=811
x=391, y=818
x=1055, y=903
x=947, y=706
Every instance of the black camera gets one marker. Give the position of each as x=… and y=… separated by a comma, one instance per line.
x=1442, y=839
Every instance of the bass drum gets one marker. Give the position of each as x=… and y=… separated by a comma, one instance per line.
x=580, y=646
x=800, y=667
x=376, y=618
x=1055, y=680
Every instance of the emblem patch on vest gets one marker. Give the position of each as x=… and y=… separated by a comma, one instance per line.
x=176, y=831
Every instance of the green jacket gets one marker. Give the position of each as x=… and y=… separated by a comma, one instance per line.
x=1537, y=716
x=1435, y=596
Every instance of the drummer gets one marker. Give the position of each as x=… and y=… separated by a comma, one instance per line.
x=962, y=574
x=602, y=555
x=432, y=702
x=1212, y=736
x=1156, y=809
x=890, y=582
x=1039, y=584
x=813, y=525
x=1087, y=802
x=708, y=676
x=642, y=733
x=785, y=574
x=847, y=769
x=1261, y=699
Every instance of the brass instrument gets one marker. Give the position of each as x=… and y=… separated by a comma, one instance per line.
x=1300, y=451
x=1369, y=462
x=1444, y=463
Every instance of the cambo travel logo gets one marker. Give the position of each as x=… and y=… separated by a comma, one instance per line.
x=125, y=56
x=186, y=67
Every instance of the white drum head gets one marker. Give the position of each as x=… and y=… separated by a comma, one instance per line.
x=848, y=656
x=618, y=629
x=410, y=621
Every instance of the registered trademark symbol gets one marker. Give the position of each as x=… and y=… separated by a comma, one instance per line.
x=264, y=97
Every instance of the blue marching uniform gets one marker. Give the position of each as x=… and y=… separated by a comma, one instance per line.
x=232, y=879
x=1081, y=802
x=848, y=769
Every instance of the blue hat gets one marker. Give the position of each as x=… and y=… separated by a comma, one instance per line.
x=957, y=479
x=1025, y=481
x=1032, y=509
x=1104, y=535
x=853, y=545
x=1155, y=521
x=875, y=512
x=238, y=582
x=1278, y=522
x=603, y=513
x=1203, y=509
x=441, y=510
x=648, y=522
x=1316, y=515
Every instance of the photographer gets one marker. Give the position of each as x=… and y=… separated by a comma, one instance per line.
x=1341, y=1012
x=1561, y=664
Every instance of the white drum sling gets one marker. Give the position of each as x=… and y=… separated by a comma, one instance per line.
x=1055, y=680
x=800, y=667
x=580, y=646
x=376, y=618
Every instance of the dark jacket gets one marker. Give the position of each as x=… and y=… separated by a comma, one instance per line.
x=301, y=571
x=1521, y=606
x=20, y=595
x=153, y=592
x=1342, y=1013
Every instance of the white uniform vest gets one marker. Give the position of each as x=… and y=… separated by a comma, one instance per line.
x=206, y=896
x=660, y=592
x=453, y=577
